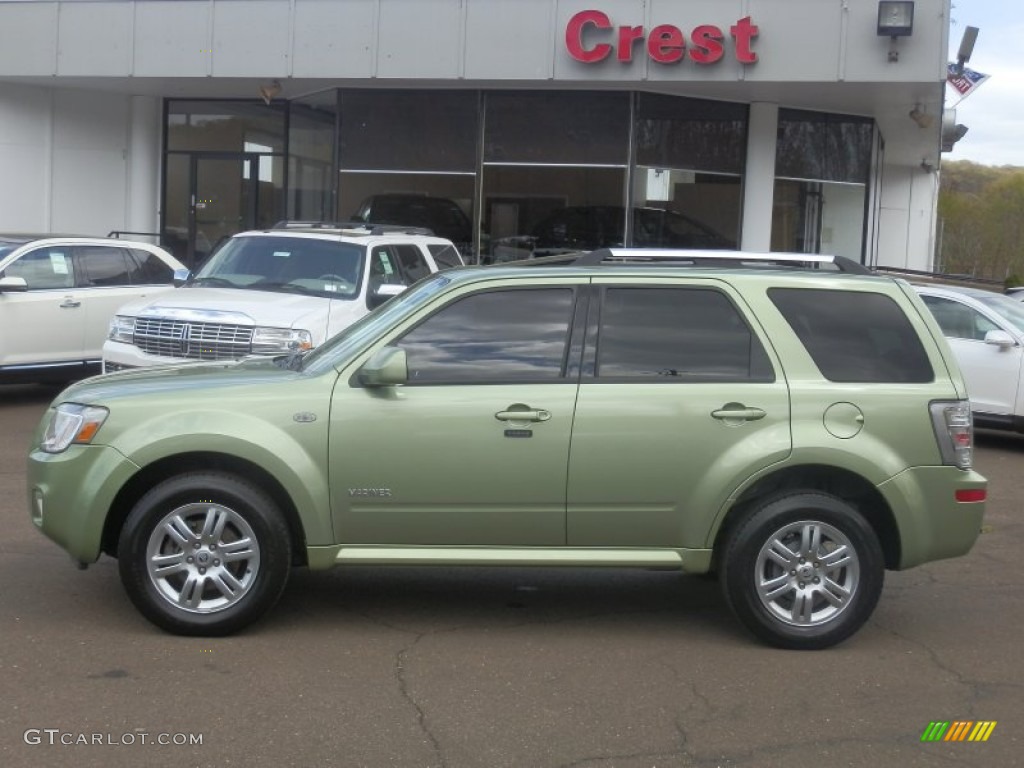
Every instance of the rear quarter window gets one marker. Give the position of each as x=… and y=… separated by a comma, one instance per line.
x=855, y=336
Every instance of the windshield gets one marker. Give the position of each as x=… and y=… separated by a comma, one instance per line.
x=1009, y=309
x=369, y=327
x=6, y=246
x=286, y=264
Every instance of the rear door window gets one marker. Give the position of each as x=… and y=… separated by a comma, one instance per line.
x=676, y=334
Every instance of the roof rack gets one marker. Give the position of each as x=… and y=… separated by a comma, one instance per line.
x=356, y=227
x=732, y=259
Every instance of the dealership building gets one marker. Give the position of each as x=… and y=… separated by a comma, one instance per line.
x=769, y=125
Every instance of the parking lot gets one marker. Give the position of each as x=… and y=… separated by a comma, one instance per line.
x=503, y=667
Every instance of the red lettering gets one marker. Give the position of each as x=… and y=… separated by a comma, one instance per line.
x=665, y=44
x=744, y=32
x=627, y=39
x=574, y=36
x=706, y=44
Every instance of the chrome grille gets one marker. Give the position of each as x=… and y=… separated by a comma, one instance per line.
x=195, y=341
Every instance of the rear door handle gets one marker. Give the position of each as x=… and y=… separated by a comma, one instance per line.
x=70, y=303
x=535, y=415
x=738, y=412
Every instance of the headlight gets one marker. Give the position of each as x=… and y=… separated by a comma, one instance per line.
x=276, y=341
x=122, y=328
x=72, y=423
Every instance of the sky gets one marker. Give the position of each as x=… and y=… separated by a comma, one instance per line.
x=994, y=112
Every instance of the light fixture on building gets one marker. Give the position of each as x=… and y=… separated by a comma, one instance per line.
x=920, y=117
x=895, y=19
x=269, y=91
x=966, y=48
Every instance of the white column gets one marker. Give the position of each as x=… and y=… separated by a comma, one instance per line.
x=759, y=181
x=142, y=214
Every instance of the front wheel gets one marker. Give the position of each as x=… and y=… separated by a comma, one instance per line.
x=803, y=571
x=204, y=554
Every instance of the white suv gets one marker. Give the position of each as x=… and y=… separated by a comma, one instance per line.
x=986, y=333
x=275, y=291
x=57, y=295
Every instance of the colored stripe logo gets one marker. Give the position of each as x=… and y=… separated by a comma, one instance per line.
x=958, y=730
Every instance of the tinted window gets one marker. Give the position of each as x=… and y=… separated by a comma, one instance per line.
x=676, y=334
x=854, y=336
x=412, y=261
x=103, y=266
x=495, y=337
x=150, y=269
x=445, y=256
x=44, y=268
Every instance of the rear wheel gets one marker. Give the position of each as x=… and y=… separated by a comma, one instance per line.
x=204, y=554
x=802, y=571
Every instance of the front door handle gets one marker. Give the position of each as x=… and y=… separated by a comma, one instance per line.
x=737, y=412
x=524, y=415
x=70, y=303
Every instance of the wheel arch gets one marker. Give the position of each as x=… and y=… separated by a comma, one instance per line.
x=848, y=486
x=201, y=461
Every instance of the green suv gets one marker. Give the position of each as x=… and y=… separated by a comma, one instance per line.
x=784, y=421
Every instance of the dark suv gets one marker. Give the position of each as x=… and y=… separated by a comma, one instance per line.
x=603, y=226
x=440, y=215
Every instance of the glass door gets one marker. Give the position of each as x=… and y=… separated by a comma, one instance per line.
x=213, y=196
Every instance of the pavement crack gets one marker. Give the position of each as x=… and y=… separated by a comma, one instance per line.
x=403, y=687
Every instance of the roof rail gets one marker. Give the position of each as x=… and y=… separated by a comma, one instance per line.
x=735, y=259
x=360, y=227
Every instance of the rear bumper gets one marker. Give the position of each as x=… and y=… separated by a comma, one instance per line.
x=932, y=524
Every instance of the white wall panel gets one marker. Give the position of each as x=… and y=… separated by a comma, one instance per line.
x=334, y=38
x=90, y=120
x=420, y=39
x=88, y=191
x=25, y=136
x=29, y=38
x=251, y=39
x=510, y=40
x=95, y=39
x=799, y=40
x=172, y=39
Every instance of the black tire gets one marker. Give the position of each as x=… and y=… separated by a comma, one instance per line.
x=225, y=552
x=809, y=603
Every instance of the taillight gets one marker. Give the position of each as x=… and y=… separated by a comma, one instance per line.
x=954, y=431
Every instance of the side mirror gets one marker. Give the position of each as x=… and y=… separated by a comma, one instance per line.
x=384, y=292
x=386, y=368
x=181, y=276
x=1000, y=339
x=13, y=285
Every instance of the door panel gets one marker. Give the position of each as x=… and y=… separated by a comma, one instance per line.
x=680, y=402
x=474, y=449
x=44, y=324
x=991, y=373
x=433, y=465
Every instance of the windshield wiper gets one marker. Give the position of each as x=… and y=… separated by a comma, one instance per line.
x=283, y=288
x=219, y=281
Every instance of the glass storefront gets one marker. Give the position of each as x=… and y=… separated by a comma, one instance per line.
x=509, y=174
x=224, y=173
x=822, y=167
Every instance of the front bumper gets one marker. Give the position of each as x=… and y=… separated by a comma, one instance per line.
x=932, y=524
x=118, y=356
x=71, y=493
